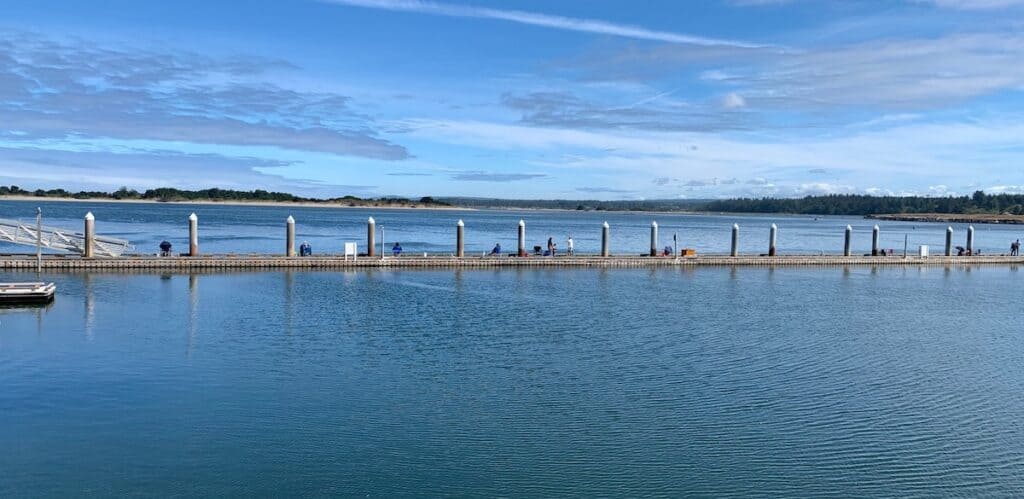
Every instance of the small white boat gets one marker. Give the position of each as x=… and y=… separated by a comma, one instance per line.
x=20, y=293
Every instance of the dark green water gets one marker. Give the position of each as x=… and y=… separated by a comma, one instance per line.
x=711, y=382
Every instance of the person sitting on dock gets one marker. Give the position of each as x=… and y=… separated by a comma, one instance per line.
x=165, y=248
x=667, y=251
x=497, y=249
x=305, y=249
x=396, y=249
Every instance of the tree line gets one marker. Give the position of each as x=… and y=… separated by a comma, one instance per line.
x=170, y=194
x=858, y=204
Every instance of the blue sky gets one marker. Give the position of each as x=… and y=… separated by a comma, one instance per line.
x=526, y=99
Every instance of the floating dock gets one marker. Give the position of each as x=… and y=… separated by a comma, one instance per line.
x=254, y=261
x=26, y=293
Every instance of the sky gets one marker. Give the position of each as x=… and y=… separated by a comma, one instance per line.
x=516, y=99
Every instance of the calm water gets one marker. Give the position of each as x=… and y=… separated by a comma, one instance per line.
x=226, y=229
x=538, y=382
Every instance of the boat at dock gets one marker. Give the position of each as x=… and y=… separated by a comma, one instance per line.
x=26, y=293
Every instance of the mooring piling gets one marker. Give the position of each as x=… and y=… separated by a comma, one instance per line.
x=970, y=240
x=949, y=241
x=654, y=238
x=193, y=235
x=522, y=238
x=735, y=240
x=847, y=244
x=289, y=236
x=875, y=232
x=371, y=237
x=39, y=239
x=460, y=239
x=605, y=233
x=89, y=249
x=773, y=237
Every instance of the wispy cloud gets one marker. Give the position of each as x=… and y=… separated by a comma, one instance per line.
x=603, y=190
x=568, y=110
x=51, y=89
x=478, y=176
x=143, y=169
x=919, y=73
x=545, y=20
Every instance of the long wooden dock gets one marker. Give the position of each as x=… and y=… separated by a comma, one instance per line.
x=255, y=261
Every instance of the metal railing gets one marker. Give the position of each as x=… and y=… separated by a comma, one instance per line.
x=52, y=238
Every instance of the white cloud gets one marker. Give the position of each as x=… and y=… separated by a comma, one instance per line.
x=544, y=20
x=733, y=100
x=1004, y=189
x=823, y=188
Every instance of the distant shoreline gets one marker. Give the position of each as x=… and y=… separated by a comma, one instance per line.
x=210, y=202
x=976, y=218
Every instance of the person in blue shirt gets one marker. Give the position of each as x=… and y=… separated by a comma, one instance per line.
x=305, y=249
x=396, y=249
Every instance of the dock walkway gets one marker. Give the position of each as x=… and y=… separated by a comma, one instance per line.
x=254, y=261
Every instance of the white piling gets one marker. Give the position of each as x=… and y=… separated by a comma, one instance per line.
x=654, y=238
x=949, y=241
x=605, y=236
x=371, y=237
x=875, y=232
x=970, y=240
x=193, y=235
x=847, y=245
x=735, y=240
x=289, y=235
x=522, y=238
x=39, y=240
x=773, y=237
x=89, y=249
x=460, y=239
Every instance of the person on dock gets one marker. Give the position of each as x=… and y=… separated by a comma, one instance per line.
x=1015, y=248
x=570, y=250
x=396, y=249
x=551, y=245
x=305, y=249
x=497, y=249
x=165, y=248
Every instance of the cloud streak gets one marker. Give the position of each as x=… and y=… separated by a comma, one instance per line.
x=53, y=90
x=478, y=176
x=594, y=26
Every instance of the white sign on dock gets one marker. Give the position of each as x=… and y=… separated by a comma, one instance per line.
x=351, y=249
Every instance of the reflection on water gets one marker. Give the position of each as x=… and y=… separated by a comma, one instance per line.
x=546, y=382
